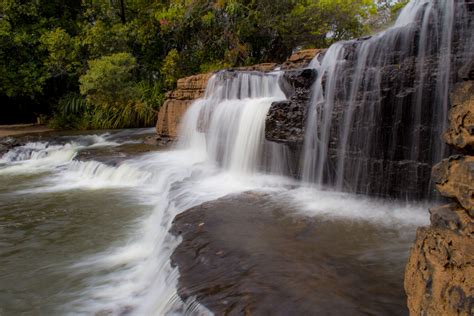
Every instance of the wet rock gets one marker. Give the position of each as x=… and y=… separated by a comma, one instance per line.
x=191, y=88
x=177, y=102
x=285, y=121
x=246, y=254
x=440, y=272
x=8, y=143
x=439, y=276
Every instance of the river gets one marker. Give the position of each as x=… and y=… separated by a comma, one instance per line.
x=84, y=222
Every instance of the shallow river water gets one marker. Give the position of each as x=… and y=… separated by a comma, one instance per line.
x=84, y=223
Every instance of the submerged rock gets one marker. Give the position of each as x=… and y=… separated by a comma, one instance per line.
x=8, y=143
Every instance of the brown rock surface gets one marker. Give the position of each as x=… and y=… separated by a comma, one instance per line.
x=191, y=88
x=265, y=67
x=439, y=278
x=177, y=102
x=301, y=59
x=454, y=177
x=460, y=133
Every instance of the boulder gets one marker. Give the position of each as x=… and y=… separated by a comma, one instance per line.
x=439, y=276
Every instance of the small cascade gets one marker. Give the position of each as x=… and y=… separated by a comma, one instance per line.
x=93, y=174
x=227, y=125
x=380, y=103
x=36, y=157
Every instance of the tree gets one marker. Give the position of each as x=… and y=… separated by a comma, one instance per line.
x=109, y=81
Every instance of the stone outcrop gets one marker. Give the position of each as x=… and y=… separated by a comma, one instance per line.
x=177, y=102
x=439, y=277
x=461, y=131
x=191, y=88
x=285, y=120
x=300, y=59
x=454, y=178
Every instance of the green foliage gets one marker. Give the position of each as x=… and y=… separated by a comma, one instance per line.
x=64, y=52
x=170, y=69
x=109, y=81
x=124, y=55
x=74, y=112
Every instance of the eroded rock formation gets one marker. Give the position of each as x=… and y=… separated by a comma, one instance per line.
x=177, y=102
x=439, y=277
x=286, y=119
x=300, y=59
x=191, y=88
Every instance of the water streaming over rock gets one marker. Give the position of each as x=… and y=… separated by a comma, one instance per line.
x=228, y=123
x=352, y=132
x=380, y=103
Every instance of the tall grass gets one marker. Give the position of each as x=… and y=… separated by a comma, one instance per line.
x=74, y=112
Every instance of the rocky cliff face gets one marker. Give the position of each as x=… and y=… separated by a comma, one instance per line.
x=177, y=102
x=380, y=104
x=439, y=276
x=191, y=88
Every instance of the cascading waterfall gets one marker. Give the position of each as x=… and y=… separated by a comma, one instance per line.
x=228, y=123
x=378, y=107
x=221, y=150
x=380, y=104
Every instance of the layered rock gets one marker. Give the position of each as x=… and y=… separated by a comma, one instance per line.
x=383, y=116
x=191, y=88
x=177, y=102
x=439, y=277
x=301, y=59
x=286, y=120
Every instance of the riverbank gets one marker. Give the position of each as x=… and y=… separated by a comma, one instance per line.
x=19, y=129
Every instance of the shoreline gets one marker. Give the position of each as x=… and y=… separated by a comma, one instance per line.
x=20, y=129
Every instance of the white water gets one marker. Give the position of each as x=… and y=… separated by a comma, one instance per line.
x=221, y=150
x=349, y=123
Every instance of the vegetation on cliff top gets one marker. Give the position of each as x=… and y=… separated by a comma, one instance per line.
x=108, y=63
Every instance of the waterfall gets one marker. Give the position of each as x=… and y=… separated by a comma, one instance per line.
x=380, y=103
x=227, y=126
